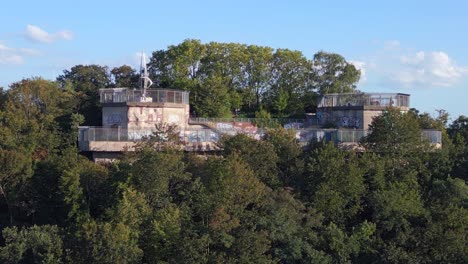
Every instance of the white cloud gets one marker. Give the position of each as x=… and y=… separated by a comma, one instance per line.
x=431, y=69
x=396, y=66
x=361, y=65
x=10, y=56
x=37, y=34
x=64, y=34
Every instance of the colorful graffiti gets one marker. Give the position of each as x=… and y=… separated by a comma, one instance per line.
x=245, y=127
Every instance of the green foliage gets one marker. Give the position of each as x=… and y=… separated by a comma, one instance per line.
x=458, y=131
x=69, y=185
x=334, y=183
x=287, y=148
x=256, y=201
x=31, y=115
x=345, y=247
x=158, y=175
x=163, y=235
x=260, y=155
x=395, y=133
x=333, y=74
x=224, y=77
x=212, y=98
x=125, y=76
x=86, y=80
x=109, y=243
x=35, y=244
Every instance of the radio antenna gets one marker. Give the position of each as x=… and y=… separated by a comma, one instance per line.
x=145, y=81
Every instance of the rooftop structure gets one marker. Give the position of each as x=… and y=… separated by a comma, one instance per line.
x=132, y=96
x=356, y=110
x=130, y=115
x=365, y=100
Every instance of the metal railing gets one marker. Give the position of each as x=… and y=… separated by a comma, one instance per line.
x=131, y=134
x=211, y=135
x=432, y=135
x=365, y=99
x=259, y=122
x=125, y=95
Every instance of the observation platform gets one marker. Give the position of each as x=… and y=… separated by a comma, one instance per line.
x=138, y=96
x=132, y=115
x=357, y=110
x=365, y=100
x=102, y=140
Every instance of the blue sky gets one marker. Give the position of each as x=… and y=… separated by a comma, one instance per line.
x=415, y=47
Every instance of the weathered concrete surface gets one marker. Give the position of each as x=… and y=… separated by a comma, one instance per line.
x=121, y=146
x=359, y=117
x=144, y=115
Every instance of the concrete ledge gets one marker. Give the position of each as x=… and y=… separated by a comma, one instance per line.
x=120, y=146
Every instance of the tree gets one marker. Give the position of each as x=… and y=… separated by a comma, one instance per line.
x=35, y=244
x=177, y=66
x=161, y=241
x=258, y=70
x=125, y=76
x=2, y=97
x=15, y=168
x=292, y=228
x=158, y=175
x=115, y=240
x=290, y=82
x=260, y=155
x=109, y=243
x=212, y=98
x=32, y=112
x=395, y=133
x=55, y=192
x=458, y=131
x=30, y=131
x=290, y=163
x=333, y=74
x=334, y=184
x=86, y=80
x=234, y=196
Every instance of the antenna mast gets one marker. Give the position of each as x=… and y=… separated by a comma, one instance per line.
x=145, y=81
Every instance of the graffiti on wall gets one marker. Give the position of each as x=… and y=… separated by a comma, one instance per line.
x=294, y=125
x=244, y=127
x=351, y=122
x=114, y=119
x=308, y=135
x=224, y=126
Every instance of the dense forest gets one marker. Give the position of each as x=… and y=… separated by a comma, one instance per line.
x=255, y=201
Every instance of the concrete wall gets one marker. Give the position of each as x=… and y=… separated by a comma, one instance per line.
x=347, y=118
x=369, y=116
x=148, y=116
x=145, y=116
x=114, y=116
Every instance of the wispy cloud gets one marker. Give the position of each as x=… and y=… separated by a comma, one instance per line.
x=395, y=65
x=36, y=34
x=361, y=66
x=12, y=56
x=433, y=69
x=9, y=56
